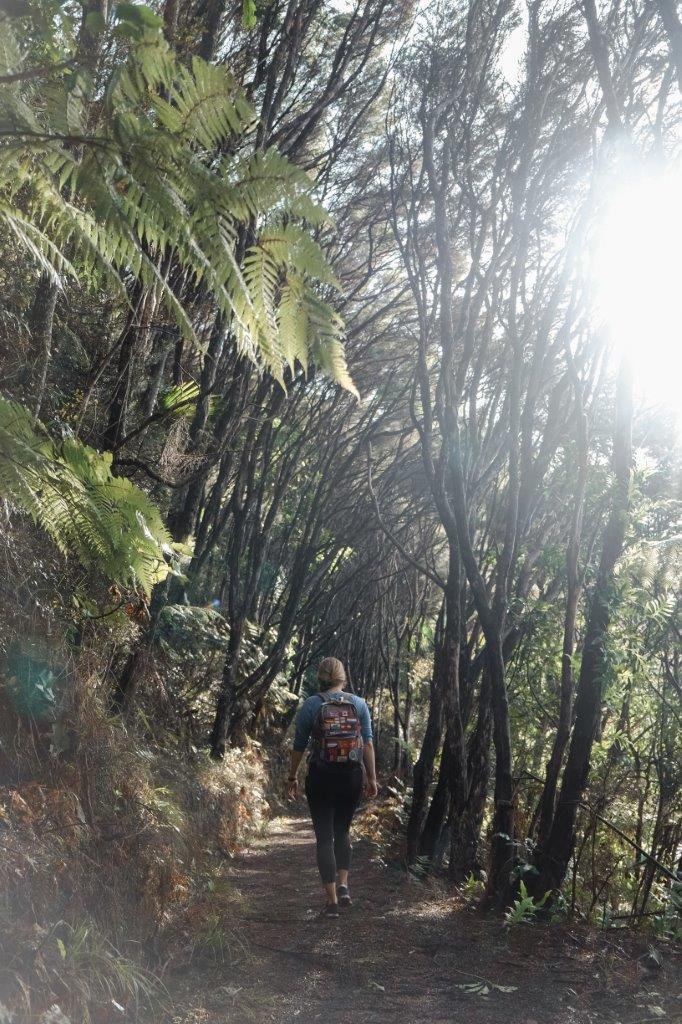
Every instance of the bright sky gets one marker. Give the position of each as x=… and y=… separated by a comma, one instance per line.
x=511, y=55
x=638, y=270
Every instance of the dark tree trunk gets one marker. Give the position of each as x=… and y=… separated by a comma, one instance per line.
x=439, y=806
x=123, y=691
x=213, y=11
x=129, y=341
x=464, y=847
x=178, y=353
x=161, y=353
x=431, y=743
x=502, y=849
x=227, y=712
x=170, y=19
x=548, y=797
x=554, y=855
x=125, y=685
x=182, y=517
x=451, y=661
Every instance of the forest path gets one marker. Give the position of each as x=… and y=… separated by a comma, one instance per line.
x=402, y=954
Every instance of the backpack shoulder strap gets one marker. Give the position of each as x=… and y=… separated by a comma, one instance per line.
x=316, y=711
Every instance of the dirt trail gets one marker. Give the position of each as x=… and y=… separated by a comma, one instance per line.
x=403, y=954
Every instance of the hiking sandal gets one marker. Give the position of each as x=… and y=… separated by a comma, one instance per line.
x=344, y=896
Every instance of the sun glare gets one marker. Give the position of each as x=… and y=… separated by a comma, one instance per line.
x=639, y=282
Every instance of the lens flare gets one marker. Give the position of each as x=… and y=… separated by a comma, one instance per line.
x=639, y=281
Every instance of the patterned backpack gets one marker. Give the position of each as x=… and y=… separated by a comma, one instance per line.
x=336, y=735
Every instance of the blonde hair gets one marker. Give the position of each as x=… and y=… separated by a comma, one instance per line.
x=331, y=670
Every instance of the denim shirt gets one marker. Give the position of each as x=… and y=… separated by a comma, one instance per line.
x=305, y=717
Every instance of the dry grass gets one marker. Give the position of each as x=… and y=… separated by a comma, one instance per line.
x=111, y=861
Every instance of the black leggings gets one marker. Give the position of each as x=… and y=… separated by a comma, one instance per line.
x=333, y=797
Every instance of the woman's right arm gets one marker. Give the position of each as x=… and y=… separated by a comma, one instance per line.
x=368, y=749
x=370, y=767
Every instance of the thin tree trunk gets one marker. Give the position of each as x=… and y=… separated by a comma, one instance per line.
x=464, y=849
x=502, y=848
x=170, y=19
x=213, y=12
x=125, y=686
x=451, y=660
x=183, y=514
x=673, y=28
x=431, y=743
x=438, y=808
x=129, y=341
x=162, y=351
x=554, y=855
x=41, y=325
x=548, y=797
x=227, y=713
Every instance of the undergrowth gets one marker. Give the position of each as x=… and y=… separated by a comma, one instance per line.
x=112, y=862
x=382, y=823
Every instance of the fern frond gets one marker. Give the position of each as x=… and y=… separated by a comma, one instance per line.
x=324, y=342
x=292, y=323
x=204, y=106
x=69, y=490
x=46, y=253
x=148, y=191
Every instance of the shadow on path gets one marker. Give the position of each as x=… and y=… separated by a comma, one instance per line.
x=407, y=953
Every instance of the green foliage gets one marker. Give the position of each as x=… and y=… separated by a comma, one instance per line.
x=216, y=941
x=76, y=961
x=160, y=801
x=33, y=685
x=70, y=491
x=249, y=14
x=186, y=631
x=137, y=16
x=472, y=887
x=93, y=969
x=192, y=641
x=524, y=908
x=421, y=868
x=180, y=399
x=161, y=181
x=669, y=923
x=280, y=697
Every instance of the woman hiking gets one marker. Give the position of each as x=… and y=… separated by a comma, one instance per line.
x=341, y=730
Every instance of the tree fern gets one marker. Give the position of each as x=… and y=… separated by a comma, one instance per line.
x=162, y=180
x=70, y=491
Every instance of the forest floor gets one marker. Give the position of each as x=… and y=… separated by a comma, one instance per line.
x=407, y=953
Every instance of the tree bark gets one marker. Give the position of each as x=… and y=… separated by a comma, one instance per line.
x=464, y=847
x=438, y=808
x=41, y=325
x=226, y=707
x=431, y=743
x=553, y=856
x=129, y=341
x=548, y=797
x=673, y=28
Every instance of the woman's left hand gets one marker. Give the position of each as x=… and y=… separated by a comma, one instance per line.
x=292, y=789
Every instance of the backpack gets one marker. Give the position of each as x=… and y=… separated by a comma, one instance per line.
x=336, y=735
